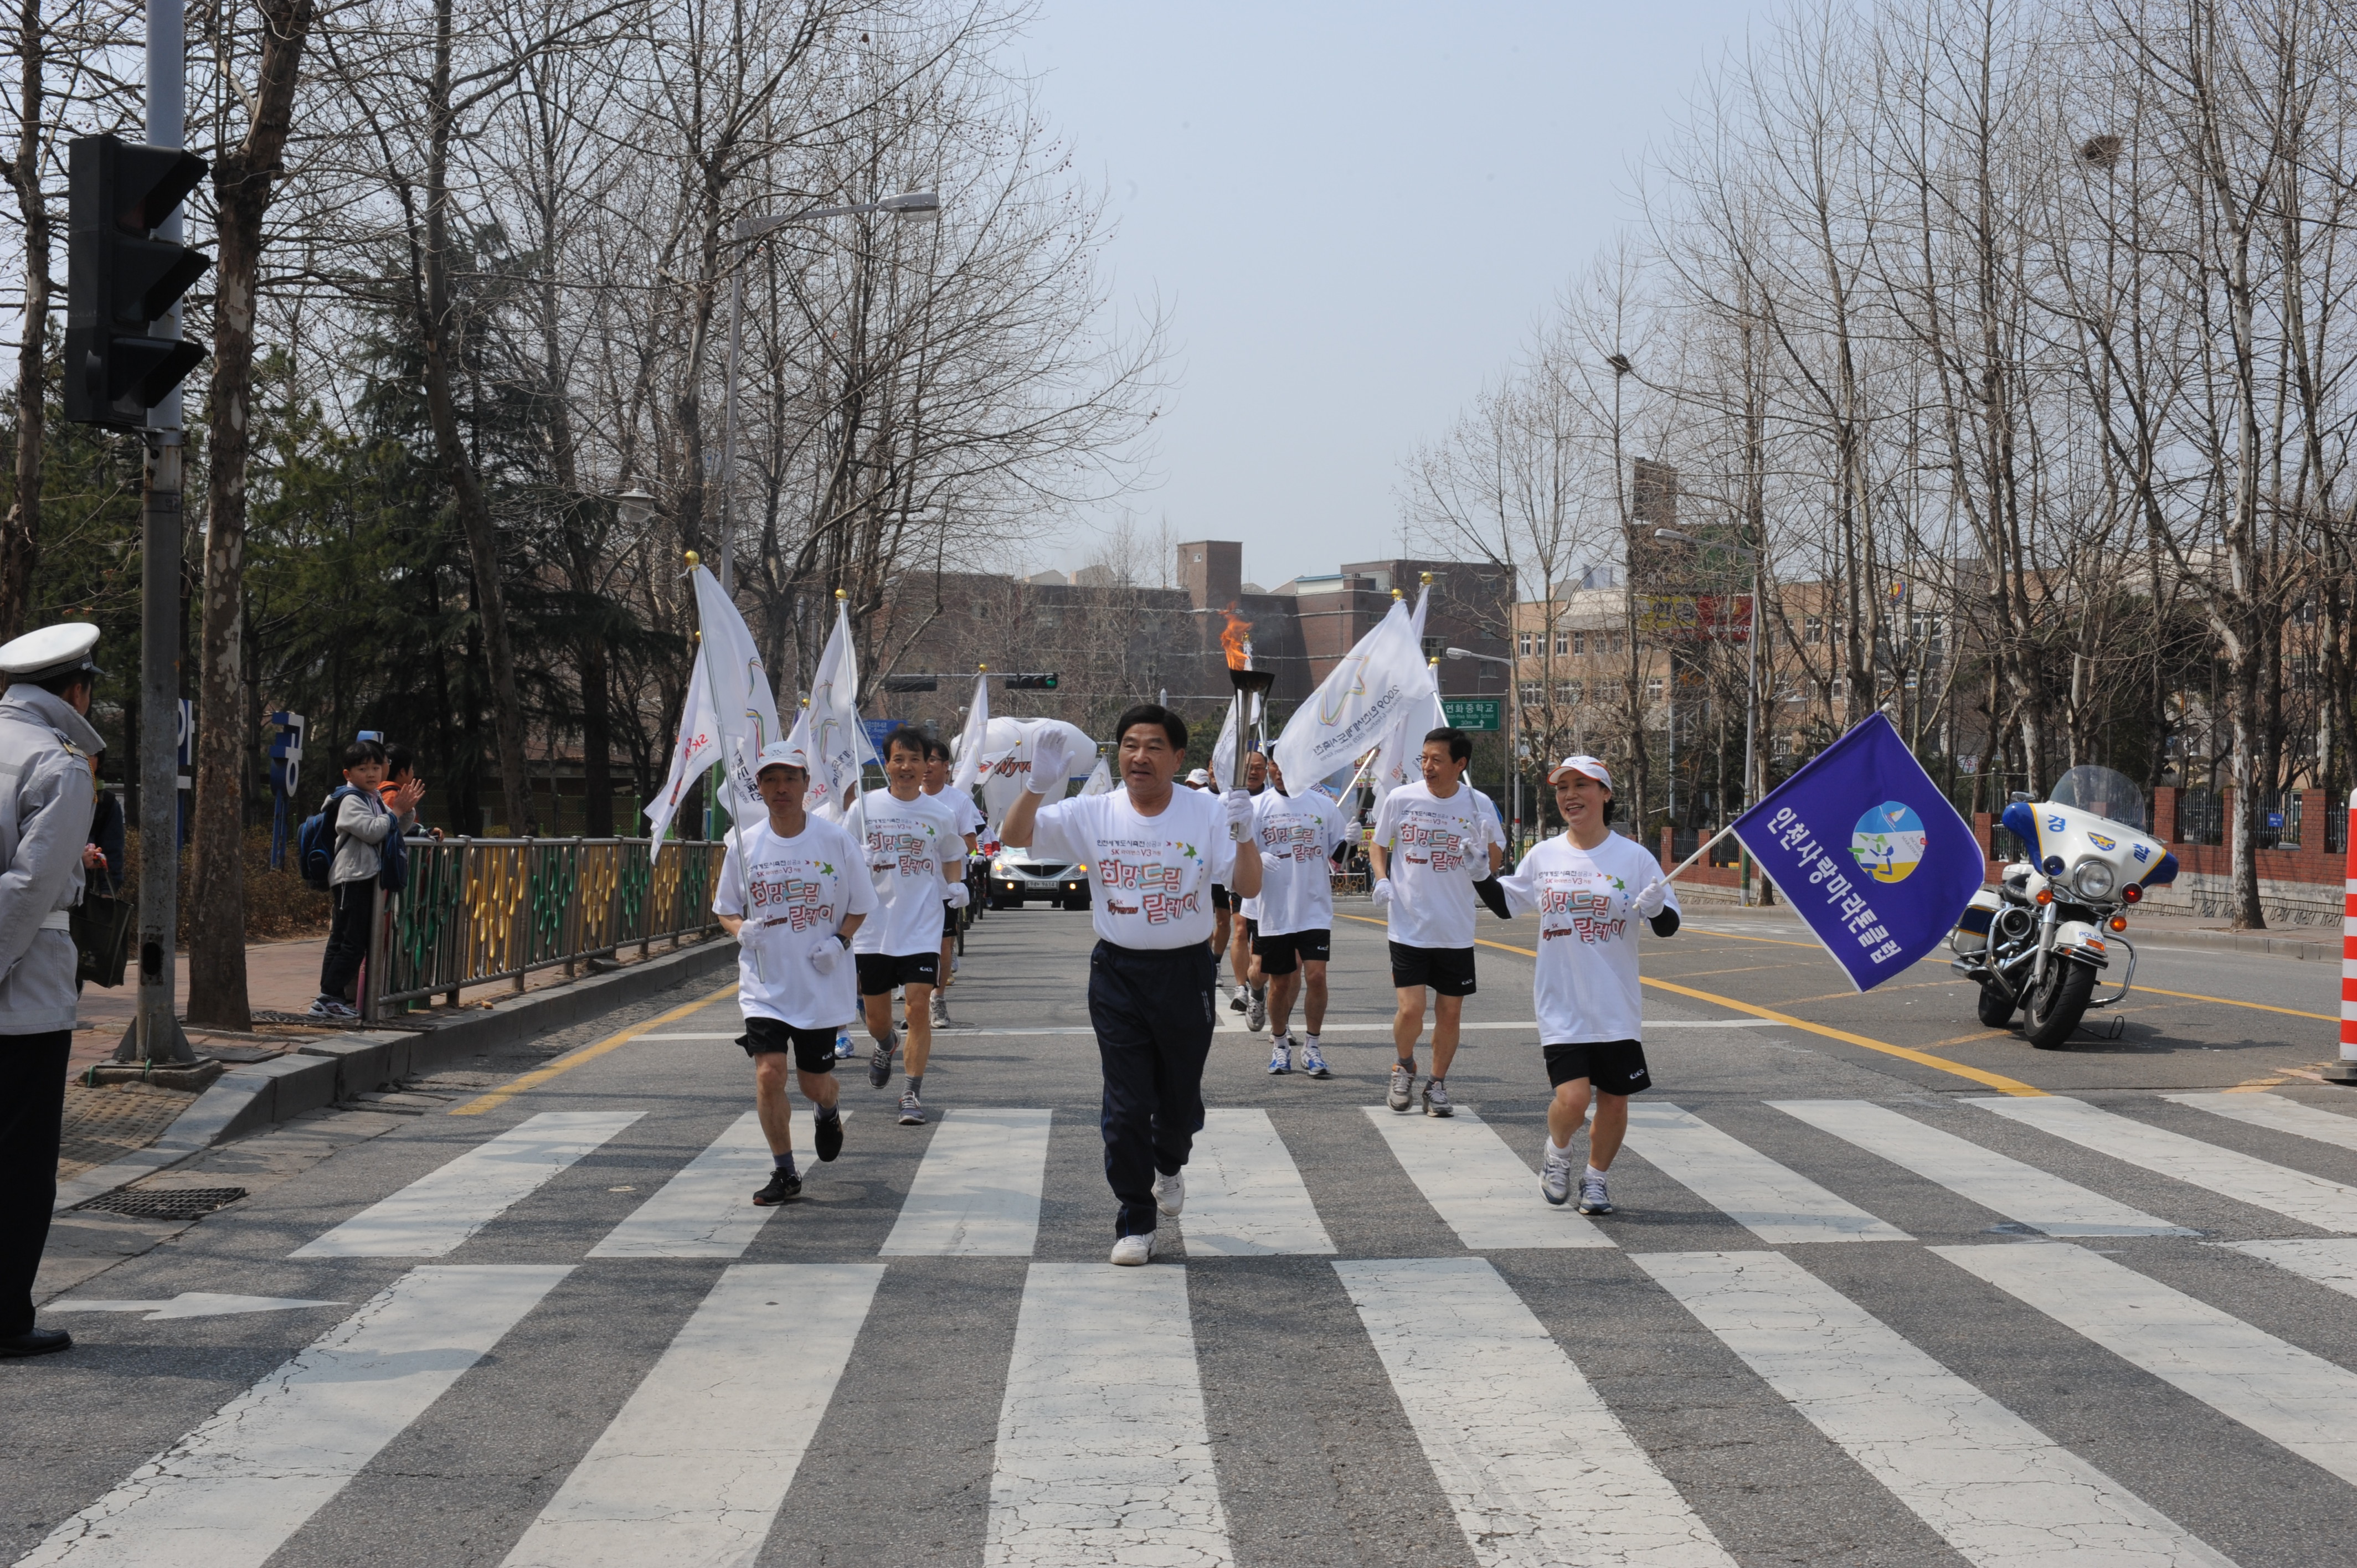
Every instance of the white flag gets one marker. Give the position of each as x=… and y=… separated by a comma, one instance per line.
x=699, y=743
x=1396, y=763
x=743, y=703
x=835, y=740
x=1100, y=778
x=971, y=738
x=1376, y=686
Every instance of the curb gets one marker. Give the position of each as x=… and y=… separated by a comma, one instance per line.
x=249, y=1098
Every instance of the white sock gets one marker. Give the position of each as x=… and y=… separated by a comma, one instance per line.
x=1312, y=1038
x=1558, y=1151
x=1591, y=1174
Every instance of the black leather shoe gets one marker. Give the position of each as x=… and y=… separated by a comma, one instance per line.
x=36, y=1342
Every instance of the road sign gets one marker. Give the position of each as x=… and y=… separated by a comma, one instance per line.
x=878, y=729
x=1474, y=713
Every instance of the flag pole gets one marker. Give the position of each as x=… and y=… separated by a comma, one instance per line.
x=1673, y=873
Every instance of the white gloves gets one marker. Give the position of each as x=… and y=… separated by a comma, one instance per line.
x=956, y=896
x=1239, y=803
x=1653, y=900
x=748, y=932
x=827, y=954
x=1382, y=894
x=1049, y=767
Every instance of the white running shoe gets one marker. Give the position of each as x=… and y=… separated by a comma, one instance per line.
x=1131, y=1250
x=1256, y=1014
x=1436, y=1098
x=1313, y=1062
x=1240, y=1000
x=1554, y=1179
x=1403, y=1089
x=941, y=1011
x=1170, y=1192
x=1593, y=1198
x=1280, y=1056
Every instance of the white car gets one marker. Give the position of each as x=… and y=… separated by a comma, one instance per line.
x=1016, y=879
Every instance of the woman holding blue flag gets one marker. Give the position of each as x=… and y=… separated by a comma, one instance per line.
x=1589, y=887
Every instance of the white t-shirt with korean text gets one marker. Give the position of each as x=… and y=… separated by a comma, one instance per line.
x=1436, y=850
x=1586, y=985
x=1151, y=876
x=961, y=807
x=803, y=887
x=1296, y=835
x=909, y=842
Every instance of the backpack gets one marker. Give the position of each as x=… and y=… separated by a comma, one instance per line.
x=315, y=841
x=393, y=862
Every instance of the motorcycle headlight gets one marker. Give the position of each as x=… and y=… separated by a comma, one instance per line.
x=2093, y=880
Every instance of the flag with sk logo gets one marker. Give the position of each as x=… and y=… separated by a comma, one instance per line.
x=699, y=740
x=1868, y=849
x=1358, y=703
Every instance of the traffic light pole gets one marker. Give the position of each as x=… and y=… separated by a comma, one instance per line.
x=154, y=1033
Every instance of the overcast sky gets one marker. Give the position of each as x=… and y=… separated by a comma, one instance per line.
x=1354, y=214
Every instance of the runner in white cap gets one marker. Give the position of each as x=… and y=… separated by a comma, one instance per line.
x=1589, y=887
x=1298, y=835
x=810, y=892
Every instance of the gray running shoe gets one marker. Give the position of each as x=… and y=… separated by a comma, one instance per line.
x=1436, y=1098
x=941, y=1011
x=1403, y=1089
x=1593, y=1200
x=1257, y=1015
x=1554, y=1179
x=1313, y=1062
x=912, y=1111
x=879, y=1066
x=1237, y=1002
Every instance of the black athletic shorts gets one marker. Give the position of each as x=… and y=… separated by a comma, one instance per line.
x=1610, y=1067
x=813, y=1048
x=1449, y=971
x=1283, y=955
x=1251, y=930
x=880, y=971
x=1220, y=897
x=949, y=921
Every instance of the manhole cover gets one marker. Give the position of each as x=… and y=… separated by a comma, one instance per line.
x=184, y=1203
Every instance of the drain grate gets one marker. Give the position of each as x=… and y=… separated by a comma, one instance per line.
x=182, y=1203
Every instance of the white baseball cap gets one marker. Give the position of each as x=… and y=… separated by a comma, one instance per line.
x=1584, y=765
x=779, y=754
x=1198, y=778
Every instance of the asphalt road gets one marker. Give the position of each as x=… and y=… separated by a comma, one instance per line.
x=1973, y=1303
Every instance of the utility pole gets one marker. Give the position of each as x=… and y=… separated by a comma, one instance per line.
x=154, y=1033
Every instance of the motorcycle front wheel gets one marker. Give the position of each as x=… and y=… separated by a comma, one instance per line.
x=2055, y=1006
x=1995, y=1004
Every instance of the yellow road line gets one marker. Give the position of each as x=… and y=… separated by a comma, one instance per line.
x=2229, y=1001
x=565, y=1064
x=1998, y=1081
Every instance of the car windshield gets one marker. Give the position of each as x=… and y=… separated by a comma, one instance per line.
x=2105, y=793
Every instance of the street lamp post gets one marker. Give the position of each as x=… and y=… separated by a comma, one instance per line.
x=1751, y=667
x=1513, y=730
x=908, y=204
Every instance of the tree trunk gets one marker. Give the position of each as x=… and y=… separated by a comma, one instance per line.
x=243, y=182
x=19, y=535
x=440, y=328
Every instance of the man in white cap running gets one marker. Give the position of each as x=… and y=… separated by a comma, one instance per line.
x=915, y=851
x=809, y=893
x=1298, y=835
x=1590, y=887
x=49, y=755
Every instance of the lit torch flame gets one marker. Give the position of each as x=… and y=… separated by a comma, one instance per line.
x=1235, y=639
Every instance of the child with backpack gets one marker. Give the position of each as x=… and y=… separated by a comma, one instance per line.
x=362, y=820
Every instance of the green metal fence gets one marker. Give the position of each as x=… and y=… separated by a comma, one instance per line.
x=477, y=911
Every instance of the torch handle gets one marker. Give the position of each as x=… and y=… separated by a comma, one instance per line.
x=1244, y=749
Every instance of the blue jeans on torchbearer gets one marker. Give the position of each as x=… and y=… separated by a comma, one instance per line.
x=1152, y=1010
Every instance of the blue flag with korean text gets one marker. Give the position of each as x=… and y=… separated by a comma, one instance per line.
x=1868, y=849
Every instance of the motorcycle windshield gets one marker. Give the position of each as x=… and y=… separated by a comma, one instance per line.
x=2105, y=793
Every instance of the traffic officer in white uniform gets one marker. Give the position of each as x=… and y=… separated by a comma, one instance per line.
x=47, y=786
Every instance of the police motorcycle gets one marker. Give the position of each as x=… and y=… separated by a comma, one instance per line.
x=2038, y=941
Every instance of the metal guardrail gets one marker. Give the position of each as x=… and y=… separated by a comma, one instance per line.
x=481, y=910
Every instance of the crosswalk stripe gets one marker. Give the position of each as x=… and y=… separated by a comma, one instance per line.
x=1534, y=1464
x=1995, y=1487
x=434, y=1215
x=976, y=1192
x=694, y=1467
x=2277, y=1389
x=2311, y=1199
x=1475, y=1184
x=1244, y=1195
x=231, y=1492
x=2329, y=1261
x=1103, y=1452
x=2022, y=1193
x=1778, y=1205
x=708, y=1210
x=2278, y=1115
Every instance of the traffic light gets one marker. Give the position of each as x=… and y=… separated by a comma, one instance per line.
x=1039, y=682
x=120, y=279
x=912, y=683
